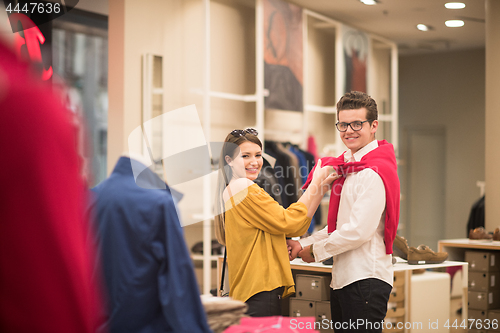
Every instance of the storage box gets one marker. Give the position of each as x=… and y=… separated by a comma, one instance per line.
x=323, y=311
x=302, y=308
x=482, y=261
x=324, y=317
x=399, y=278
x=313, y=287
x=395, y=312
x=397, y=294
x=485, y=319
x=484, y=281
x=481, y=300
x=394, y=322
x=395, y=305
x=494, y=320
x=393, y=330
x=478, y=314
x=494, y=314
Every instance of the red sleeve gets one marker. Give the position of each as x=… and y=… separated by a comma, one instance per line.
x=46, y=282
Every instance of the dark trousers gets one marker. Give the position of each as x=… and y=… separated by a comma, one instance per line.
x=360, y=306
x=265, y=303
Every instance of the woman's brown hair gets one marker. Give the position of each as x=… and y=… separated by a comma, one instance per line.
x=231, y=149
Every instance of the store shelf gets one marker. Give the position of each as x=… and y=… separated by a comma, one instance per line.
x=456, y=247
x=201, y=257
x=322, y=109
x=466, y=243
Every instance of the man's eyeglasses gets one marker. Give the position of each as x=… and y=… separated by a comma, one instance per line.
x=238, y=132
x=355, y=125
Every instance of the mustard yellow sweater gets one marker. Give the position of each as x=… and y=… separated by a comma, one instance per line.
x=257, y=256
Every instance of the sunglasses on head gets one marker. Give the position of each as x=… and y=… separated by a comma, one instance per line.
x=238, y=132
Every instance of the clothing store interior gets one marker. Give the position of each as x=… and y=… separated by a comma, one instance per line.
x=250, y=166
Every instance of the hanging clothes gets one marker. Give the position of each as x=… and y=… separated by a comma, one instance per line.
x=312, y=147
x=268, y=182
x=476, y=215
x=293, y=169
x=283, y=174
x=310, y=165
x=303, y=168
x=306, y=164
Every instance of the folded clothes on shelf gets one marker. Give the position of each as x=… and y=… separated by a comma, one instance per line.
x=223, y=312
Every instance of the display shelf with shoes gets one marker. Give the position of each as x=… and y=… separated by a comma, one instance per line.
x=400, y=247
x=425, y=255
x=483, y=267
x=419, y=255
x=480, y=234
x=496, y=234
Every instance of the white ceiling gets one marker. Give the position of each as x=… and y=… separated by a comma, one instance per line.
x=396, y=20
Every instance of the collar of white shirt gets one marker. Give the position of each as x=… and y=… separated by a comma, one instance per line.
x=360, y=153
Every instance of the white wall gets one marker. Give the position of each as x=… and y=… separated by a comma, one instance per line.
x=447, y=90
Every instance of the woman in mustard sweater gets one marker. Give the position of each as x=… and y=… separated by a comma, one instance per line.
x=254, y=227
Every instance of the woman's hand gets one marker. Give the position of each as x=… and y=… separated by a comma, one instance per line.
x=323, y=177
x=294, y=248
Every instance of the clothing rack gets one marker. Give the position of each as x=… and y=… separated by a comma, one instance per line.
x=292, y=136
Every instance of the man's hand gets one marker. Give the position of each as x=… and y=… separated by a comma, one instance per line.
x=294, y=248
x=305, y=254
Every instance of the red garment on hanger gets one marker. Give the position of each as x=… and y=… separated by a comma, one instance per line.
x=312, y=147
x=46, y=255
x=382, y=160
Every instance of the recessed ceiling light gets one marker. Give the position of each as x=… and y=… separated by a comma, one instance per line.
x=369, y=2
x=454, y=5
x=454, y=23
x=422, y=27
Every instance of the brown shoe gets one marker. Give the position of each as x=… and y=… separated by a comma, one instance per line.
x=400, y=247
x=496, y=234
x=480, y=233
x=424, y=255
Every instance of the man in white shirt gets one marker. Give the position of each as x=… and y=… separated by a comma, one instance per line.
x=361, y=243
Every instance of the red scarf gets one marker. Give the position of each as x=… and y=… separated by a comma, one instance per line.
x=382, y=160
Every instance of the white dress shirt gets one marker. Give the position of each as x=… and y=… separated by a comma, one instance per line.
x=357, y=245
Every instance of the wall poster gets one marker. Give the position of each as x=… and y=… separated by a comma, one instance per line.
x=356, y=48
x=283, y=55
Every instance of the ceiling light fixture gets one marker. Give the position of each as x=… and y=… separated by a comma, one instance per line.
x=369, y=2
x=454, y=23
x=454, y=5
x=422, y=27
